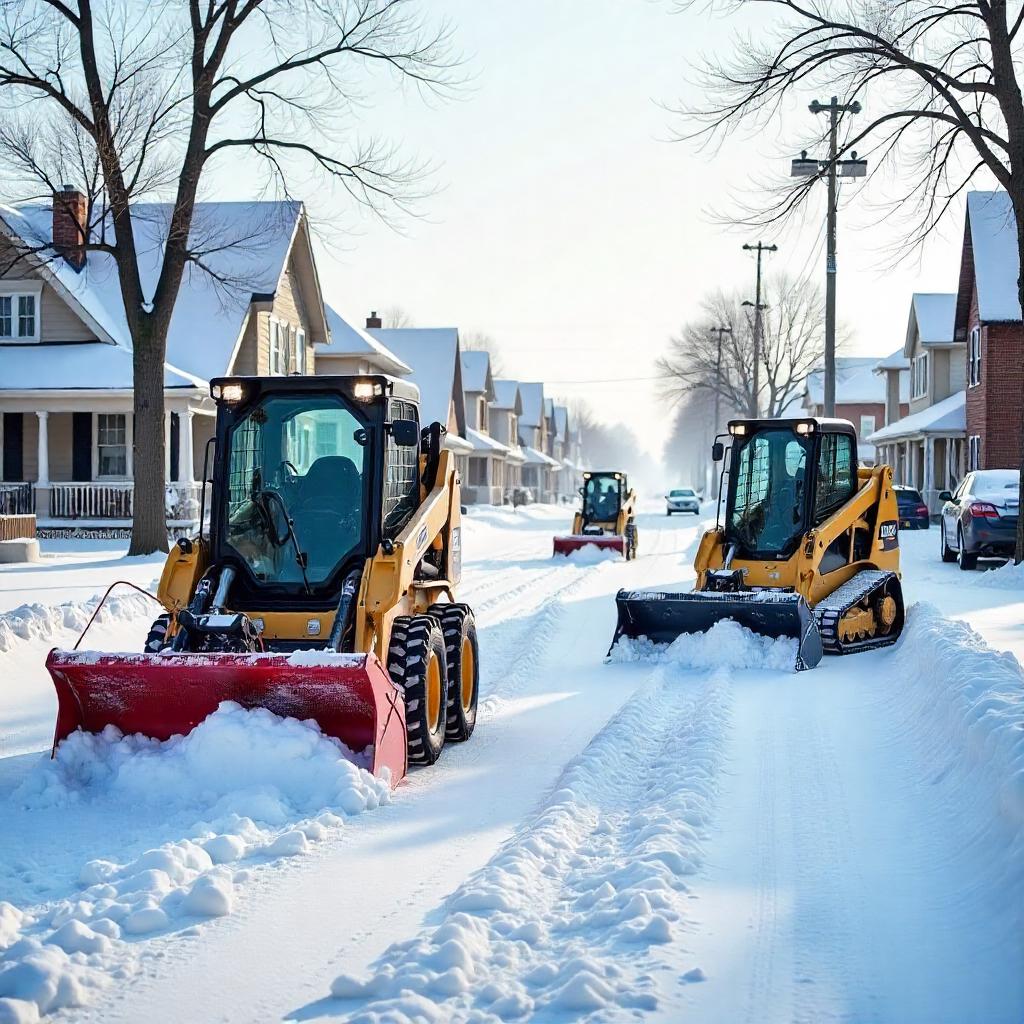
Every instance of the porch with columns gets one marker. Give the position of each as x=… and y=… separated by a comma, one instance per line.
x=69, y=458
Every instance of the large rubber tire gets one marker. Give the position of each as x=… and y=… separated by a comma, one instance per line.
x=156, y=638
x=462, y=652
x=966, y=561
x=417, y=666
x=948, y=554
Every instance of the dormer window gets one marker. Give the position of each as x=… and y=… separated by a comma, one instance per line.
x=19, y=311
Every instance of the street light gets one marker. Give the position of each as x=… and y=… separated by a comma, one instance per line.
x=833, y=167
x=720, y=331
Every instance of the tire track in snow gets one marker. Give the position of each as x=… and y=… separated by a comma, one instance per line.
x=564, y=921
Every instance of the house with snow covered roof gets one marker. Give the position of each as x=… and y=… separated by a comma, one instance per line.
x=989, y=330
x=860, y=398
x=538, y=467
x=350, y=349
x=925, y=446
x=66, y=381
x=503, y=422
x=493, y=463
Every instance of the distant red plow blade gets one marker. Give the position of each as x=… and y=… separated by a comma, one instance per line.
x=349, y=696
x=567, y=545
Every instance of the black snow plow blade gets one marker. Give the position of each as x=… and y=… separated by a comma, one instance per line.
x=661, y=617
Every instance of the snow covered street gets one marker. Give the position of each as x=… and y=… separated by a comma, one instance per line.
x=691, y=833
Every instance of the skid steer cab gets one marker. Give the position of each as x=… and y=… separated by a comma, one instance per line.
x=806, y=546
x=323, y=585
x=606, y=517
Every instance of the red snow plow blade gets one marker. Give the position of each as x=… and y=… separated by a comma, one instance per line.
x=349, y=696
x=567, y=545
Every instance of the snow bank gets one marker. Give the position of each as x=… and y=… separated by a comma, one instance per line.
x=566, y=920
x=972, y=698
x=254, y=787
x=726, y=645
x=1006, y=577
x=39, y=622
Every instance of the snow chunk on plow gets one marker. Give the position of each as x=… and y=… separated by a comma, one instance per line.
x=590, y=543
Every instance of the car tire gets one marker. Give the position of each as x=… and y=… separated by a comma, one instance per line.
x=965, y=560
x=947, y=553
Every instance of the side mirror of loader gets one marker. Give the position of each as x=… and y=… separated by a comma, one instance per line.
x=406, y=433
x=717, y=451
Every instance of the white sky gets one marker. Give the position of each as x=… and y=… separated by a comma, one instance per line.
x=570, y=229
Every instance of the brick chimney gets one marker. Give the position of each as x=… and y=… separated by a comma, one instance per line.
x=373, y=320
x=69, y=223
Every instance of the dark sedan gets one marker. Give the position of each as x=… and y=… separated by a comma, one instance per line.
x=913, y=511
x=979, y=519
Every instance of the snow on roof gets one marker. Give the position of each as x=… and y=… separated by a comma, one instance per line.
x=476, y=369
x=535, y=458
x=934, y=314
x=349, y=340
x=484, y=442
x=507, y=395
x=996, y=263
x=561, y=422
x=433, y=354
x=894, y=361
x=247, y=243
x=533, y=403
x=856, y=381
x=946, y=417
x=71, y=366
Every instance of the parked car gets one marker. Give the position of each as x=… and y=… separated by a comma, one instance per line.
x=913, y=511
x=979, y=519
x=682, y=499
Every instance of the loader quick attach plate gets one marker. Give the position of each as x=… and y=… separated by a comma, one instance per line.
x=575, y=542
x=349, y=696
x=661, y=617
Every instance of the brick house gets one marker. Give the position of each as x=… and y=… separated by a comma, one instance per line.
x=988, y=324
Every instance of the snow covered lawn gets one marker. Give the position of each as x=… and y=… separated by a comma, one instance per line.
x=691, y=833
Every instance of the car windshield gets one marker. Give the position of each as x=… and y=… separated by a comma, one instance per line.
x=601, y=498
x=295, y=459
x=905, y=496
x=768, y=508
x=684, y=492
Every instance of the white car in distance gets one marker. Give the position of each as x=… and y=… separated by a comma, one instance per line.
x=682, y=499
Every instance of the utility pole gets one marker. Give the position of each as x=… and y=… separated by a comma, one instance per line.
x=758, y=306
x=832, y=167
x=718, y=384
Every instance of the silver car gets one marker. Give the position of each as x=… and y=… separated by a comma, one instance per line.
x=682, y=499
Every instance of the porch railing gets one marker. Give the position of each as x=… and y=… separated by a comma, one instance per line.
x=93, y=500
x=17, y=499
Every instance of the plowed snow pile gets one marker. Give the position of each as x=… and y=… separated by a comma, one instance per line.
x=243, y=786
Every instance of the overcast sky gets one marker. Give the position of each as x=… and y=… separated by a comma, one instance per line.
x=568, y=227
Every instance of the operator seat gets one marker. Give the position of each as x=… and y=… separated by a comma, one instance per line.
x=328, y=508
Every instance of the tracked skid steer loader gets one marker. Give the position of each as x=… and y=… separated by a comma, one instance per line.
x=323, y=586
x=606, y=518
x=807, y=546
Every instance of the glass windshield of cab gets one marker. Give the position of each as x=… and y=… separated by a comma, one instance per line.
x=768, y=509
x=601, y=498
x=295, y=488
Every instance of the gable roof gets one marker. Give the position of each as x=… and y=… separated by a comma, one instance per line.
x=476, y=373
x=946, y=417
x=348, y=340
x=252, y=243
x=856, y=382
x=932, y=320
x=433, y=353
x=507, y=396
x=533, y=403
x=990, y=259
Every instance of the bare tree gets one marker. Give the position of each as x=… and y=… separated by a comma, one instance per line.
x=480, y=341
x=793, y=344
x=397, y=317
x=940, y=79
x=132, y=100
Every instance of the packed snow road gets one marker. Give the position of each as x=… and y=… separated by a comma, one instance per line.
x=691, y=833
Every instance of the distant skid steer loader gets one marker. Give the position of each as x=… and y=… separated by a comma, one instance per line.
x=606, y=518
x=807, y=547
x=324, y=590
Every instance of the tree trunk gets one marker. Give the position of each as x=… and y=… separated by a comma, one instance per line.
x=149, y=518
